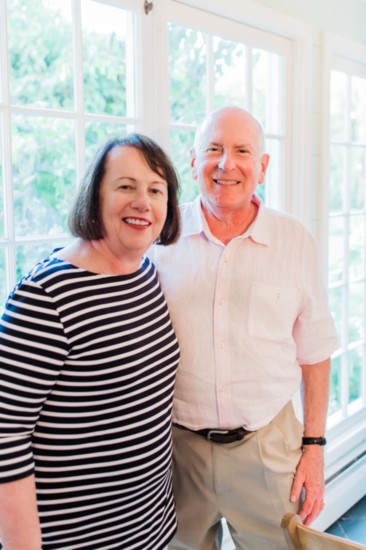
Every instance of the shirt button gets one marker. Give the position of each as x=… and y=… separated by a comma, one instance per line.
x=221, y=344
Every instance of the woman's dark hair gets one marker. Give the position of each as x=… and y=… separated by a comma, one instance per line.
x=85, y=217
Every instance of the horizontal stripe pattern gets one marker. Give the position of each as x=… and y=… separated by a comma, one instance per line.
x=87, y=368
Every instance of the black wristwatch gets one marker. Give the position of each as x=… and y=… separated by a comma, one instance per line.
x=314, y=441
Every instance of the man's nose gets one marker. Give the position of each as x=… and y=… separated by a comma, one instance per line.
x=226, y=161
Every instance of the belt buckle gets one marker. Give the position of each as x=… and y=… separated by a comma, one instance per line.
x=213, y=432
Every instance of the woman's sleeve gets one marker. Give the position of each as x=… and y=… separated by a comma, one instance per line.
x=33, y=347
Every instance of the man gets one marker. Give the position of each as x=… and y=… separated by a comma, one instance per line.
x=245, y=294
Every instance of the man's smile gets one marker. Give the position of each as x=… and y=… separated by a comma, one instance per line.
x=226, y=182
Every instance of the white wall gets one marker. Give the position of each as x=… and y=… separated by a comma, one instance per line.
x=344, y=17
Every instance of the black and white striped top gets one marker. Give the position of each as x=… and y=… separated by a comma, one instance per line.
x=87, y=367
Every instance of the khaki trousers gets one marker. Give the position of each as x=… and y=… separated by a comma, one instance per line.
x=247, y=482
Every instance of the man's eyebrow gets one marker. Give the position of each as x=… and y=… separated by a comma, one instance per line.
x=215, y=143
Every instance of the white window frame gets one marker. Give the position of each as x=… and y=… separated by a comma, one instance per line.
x=297, y=196
x=77, y=114
x=346, y=450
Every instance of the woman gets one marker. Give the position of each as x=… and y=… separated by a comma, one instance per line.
x=88, y=359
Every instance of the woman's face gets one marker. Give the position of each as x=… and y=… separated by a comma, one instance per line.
x=133, y=202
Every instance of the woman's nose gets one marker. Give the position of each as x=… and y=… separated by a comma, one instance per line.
x=141, y=201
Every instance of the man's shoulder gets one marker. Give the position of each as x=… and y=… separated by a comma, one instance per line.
x=191, y=217
x=285, y=226
x=283, y=218
x=187, y=208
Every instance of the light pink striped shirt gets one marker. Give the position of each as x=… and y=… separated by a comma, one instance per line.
x=246, y=315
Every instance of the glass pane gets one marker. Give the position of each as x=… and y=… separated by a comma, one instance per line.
x=338, y=106
x=44, y=174
x=334, y=393
x=3, y=291
x=358, y=178
x=355, y=312
x=335, y=250
x=180, y=145
x=40, y=49
x=229, y=73
x=267, y=81
x=355, y=373
x=28, y=255
x=337, y=178
x=271, y=191
x=358, y=114
x=98, y=132
x=356, y=265
x=335, y=304
x=187, y=70
x=105, y=45
x=2, y=220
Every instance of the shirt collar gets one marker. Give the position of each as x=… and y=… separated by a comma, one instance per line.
x=195, y=223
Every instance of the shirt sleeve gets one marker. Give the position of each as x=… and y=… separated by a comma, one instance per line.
x=314, y=330
x=33, y=347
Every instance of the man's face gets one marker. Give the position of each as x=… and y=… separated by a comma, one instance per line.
x=228, y=161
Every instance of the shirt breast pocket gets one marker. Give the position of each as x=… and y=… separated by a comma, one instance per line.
x=272, y=311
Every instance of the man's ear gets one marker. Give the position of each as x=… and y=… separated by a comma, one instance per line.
x=264, y=163
x=193, y=163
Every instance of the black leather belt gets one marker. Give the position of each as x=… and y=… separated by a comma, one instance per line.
x=218, y=435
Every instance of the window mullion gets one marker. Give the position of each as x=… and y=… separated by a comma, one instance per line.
x=6, y=142
x=210, y=73
x=249, y=78
x=78, y=88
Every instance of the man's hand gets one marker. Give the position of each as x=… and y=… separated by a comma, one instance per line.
x=310, y=477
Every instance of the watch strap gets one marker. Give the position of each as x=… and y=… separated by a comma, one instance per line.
x=314, y=441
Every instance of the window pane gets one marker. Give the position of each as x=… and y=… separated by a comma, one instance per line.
x=338, y=106
x=3, y=292
x=355, y=313
x=40, y=49
x=334, y=393
x=356, y=247
x=267, y=81
x=355, y=373
x=180, y=144
x=2, y=221
x=335, y=305
x=44, y=174
x=335, y=249
x=272, y=191
x=98, y=132
x=337, y=187
x=104, y=57
x=229, y=73
x=358, y=178
x=358, y=114
x=27, y=256
x=187, y=69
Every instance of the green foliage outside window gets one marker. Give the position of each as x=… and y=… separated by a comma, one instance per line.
x=43, y=94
